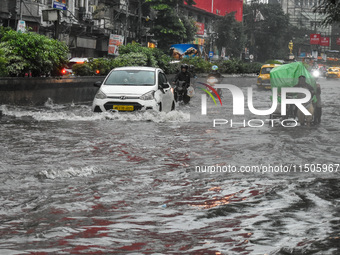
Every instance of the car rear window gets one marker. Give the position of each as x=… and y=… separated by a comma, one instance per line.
x=131, y=77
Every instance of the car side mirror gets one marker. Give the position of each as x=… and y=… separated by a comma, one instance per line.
x=165, y=85
x=97, y=84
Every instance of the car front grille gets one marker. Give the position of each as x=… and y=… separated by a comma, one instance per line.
x=109, y=105
x=333, y=76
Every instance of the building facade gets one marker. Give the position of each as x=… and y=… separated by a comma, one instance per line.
x=86, y=25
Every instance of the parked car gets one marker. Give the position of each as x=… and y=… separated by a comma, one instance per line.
x=333, y=72
x=68, y=69
x=134, y=88
x=263, y=79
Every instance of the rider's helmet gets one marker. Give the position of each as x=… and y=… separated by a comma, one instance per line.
x=184, y=66
x=214, y=67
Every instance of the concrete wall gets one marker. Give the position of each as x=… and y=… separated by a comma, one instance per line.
x=36, y=91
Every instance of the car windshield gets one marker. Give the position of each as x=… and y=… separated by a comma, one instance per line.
x=71, y=64
x=266, y=70
x=131, y=77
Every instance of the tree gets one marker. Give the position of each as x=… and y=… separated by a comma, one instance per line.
x=32, y=53
x=230, y=35
x=266, y=28
x=331, y=8
x=169, y=27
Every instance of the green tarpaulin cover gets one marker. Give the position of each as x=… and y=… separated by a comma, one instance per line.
x=288, y=75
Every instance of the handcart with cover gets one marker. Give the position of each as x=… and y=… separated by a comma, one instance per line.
x=288, y=76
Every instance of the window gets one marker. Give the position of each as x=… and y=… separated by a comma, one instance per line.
x=131, y=77
x=162, y=79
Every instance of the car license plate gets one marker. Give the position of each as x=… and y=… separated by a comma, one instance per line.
x=267, y=87
x=128, y=108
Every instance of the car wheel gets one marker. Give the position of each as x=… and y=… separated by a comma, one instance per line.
x=173, y=106
x=160, y=107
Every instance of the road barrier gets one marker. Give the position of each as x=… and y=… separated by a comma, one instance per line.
x=37, y=90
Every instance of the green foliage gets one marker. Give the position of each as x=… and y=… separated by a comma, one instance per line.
x=155, y=57
x=230, y=35
x=163, y=60
x=137, y=48
x=3, y=64
x=190, y=28
x=233, y=66
x=104, y=65
x=236, y=66
x=331, y=8
x=31, y=52
x=132, y=54
x=267, y=39
x=201, y=65
x=83, y=69
x=253, y=67
x=169, y=26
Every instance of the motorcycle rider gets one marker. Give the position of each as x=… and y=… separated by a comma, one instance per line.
x=183, y=75
x=215, y=73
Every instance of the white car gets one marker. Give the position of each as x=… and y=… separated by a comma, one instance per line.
x=134, y=88
x=68, y=69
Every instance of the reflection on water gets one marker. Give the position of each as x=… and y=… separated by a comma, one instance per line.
x=75, y=182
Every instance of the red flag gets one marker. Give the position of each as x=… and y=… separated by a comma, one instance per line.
x=337, y=41
x=315, y=38
x=324, y=41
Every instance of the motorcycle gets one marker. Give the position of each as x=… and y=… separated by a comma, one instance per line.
x=211, y=81
x=182, y=92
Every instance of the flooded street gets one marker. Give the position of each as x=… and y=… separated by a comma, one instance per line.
x=77, y=182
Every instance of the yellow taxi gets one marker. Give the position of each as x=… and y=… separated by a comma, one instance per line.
x=333, y=72
x=263, y=80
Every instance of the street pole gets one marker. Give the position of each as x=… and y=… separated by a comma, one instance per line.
x=140, y=21
x=21, y=9
x=126, y=20
x=56, y=26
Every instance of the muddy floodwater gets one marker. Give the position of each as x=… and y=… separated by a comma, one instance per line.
x=77, y=182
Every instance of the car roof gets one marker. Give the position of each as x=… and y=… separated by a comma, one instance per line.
x=270, y=65
x=145, y=68
x=78, y=60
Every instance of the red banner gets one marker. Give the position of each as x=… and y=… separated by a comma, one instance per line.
x=200, y=28
x=315, y=38
x=324, y=41
x=337, y=41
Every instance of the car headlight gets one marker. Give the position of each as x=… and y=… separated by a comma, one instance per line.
x=100, y=95
x=316, y=73
x=148, y=96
